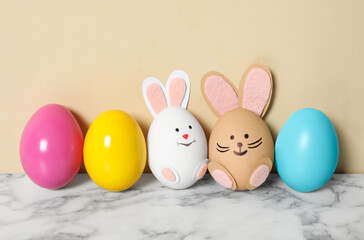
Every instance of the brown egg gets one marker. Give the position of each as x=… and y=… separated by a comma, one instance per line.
x=241, y=142
x=241, y=148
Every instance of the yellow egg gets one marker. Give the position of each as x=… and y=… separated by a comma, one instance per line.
x=115, y=151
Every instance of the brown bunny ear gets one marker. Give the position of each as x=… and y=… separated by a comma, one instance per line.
x=219, y=93
x=255, y=90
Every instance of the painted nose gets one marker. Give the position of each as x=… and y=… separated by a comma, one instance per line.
x=239, y=144
x=185, y=136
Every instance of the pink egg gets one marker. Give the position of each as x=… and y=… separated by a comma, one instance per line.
x=51, y=147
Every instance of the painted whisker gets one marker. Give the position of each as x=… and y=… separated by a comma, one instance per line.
x=255, y=145
x=225, y=150
x=221, y=146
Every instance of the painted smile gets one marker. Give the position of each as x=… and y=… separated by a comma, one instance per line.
x=240, y=153
x=186, y=144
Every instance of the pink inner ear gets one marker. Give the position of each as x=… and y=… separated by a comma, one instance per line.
x=156, y=97
x=256, y=90
x=221, y=95
x=177, y=90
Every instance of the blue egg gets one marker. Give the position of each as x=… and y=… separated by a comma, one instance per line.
x=307, y=150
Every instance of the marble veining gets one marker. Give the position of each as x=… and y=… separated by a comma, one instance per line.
x=148, y=210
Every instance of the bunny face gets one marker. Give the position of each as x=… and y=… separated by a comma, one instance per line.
x=237, y=144
x=177, y=146
x=177, y=133
x=241, y=147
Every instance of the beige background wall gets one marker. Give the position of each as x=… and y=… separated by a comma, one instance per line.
x=92, y=56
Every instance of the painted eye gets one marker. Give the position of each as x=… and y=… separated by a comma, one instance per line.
x=177, y=130
x=232, y=137
x=189, y=126
x=246, y=135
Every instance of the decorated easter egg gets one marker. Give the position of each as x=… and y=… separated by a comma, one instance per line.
x=115, y=151
x=177, y=146
x=176, y=140
x=241, y=147
x=51, y=147
x=307, y=150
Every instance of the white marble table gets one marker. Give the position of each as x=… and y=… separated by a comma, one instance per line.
x=148, y=210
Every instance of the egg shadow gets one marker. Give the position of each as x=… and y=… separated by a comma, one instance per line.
x=145, y=128
x=84, y=125
x=343, y=154
x=273, y=179
x=79, y=180
x=145, y=181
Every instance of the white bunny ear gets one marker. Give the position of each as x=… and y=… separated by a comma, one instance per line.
x=178, y=89
x=154, y=95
